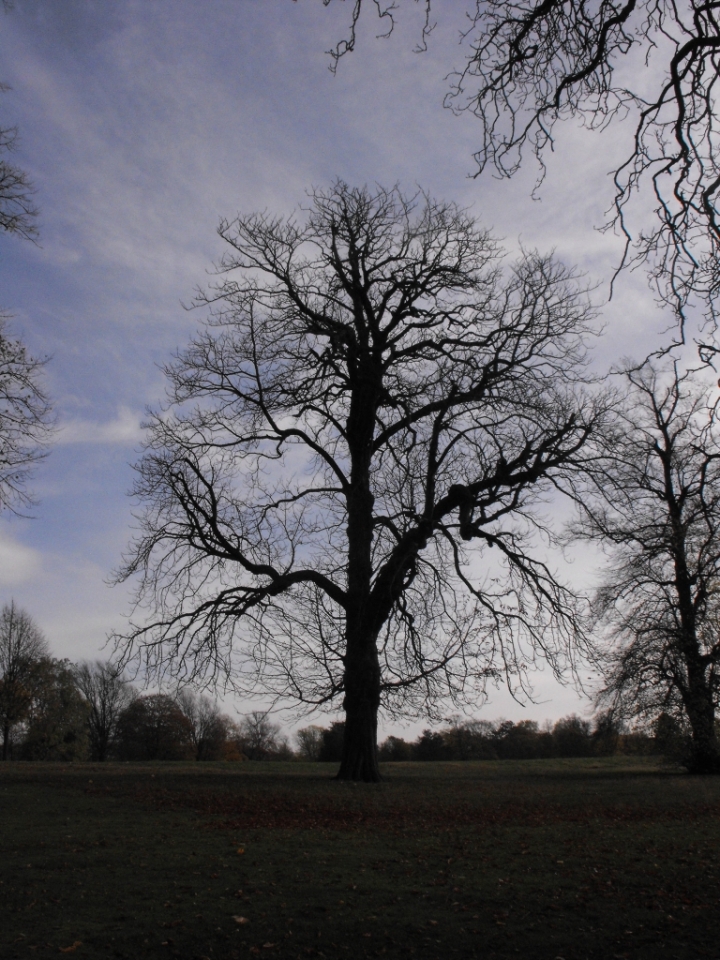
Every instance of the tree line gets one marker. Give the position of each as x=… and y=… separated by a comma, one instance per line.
x=571, y=736
x=53, y=709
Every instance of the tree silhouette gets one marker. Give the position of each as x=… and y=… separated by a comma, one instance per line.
x=341, y=493
x=654, y=63
x=23, y=649
x=107, y=693
x=653, y=498
x=25, y=412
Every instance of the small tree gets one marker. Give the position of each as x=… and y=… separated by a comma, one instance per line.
x=372, y=398
x=22, y=650
x=653, y=500
x=107, y=693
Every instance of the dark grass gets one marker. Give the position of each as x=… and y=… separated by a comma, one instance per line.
x=573, y=859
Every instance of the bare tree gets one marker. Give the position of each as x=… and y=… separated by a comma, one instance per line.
x=210, y=728
x=25, y=415
x=26, y=421
x=17, y=210
x=371, y=398
x=259, y=734
x=22, y=650
x=654, y=501
x=654, y=63
x=18, y=213
x=107, y=694
x=310, y=742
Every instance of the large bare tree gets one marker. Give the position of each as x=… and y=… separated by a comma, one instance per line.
x=653, y=64
x=654, y=501
x=342, y=495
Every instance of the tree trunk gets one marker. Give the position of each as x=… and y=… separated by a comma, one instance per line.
x=362, y=667
x=362, y=700
x=6, y=741
x=704, y=748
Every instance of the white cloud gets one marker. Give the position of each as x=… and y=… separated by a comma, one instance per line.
x=18, y=563
x=125, y=428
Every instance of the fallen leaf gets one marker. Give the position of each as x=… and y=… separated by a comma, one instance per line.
x=73, y=948
x=268, y=946
x=241, y=849
x=240, y=920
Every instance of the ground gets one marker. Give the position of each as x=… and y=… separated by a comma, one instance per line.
x=610, y=858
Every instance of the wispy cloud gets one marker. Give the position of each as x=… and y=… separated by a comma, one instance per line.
x=124, y=429
x=18, y=563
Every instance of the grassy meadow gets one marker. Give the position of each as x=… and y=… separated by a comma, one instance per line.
x=601, y=858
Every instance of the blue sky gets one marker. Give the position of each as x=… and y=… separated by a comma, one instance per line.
x=142, y=122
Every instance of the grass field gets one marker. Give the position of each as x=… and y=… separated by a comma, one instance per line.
x=549, y=859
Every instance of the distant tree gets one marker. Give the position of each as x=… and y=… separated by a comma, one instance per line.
x=23, y=648
x=653, y=501
x=309, y=741
x=521, y=741
x=394, y=750
x=259, y=735
x=478, y=740
x=671, y=737
x=432, y=745
x=107, y=693
x=210, y=729
x=649, y=63
x=283, y=750
x=470, y=740
x=56, y=725
x=372, y=398
x=153, y=727
x=333, y=738
x=571, y=737
x=606, y=734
